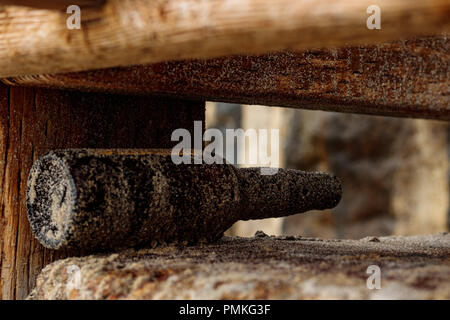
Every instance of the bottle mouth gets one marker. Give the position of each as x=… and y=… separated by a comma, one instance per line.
x=287, y=192
x=331, y=192
x=51, y=198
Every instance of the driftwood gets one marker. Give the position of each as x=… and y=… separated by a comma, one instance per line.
x=53, y=4
x=121, y=33
x=404, y=78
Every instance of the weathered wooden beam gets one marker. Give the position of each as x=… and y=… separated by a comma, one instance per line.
x=121, y=33
x=35, y=121
x=405, y=78
x=52, y=4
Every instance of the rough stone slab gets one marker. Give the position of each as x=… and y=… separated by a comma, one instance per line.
x=258, y=268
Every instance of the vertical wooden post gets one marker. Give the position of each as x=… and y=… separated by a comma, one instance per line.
x=34, y=121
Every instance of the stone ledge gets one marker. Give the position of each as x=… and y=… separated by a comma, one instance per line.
x=261, y=267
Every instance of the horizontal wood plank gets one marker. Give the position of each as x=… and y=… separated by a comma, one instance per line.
x=121, y=33
x=52, y=4
x=403, y=78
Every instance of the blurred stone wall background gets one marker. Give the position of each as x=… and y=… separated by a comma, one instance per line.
x=395, y=172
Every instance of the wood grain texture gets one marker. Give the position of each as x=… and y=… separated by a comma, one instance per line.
x=128, y=32
x=34, y=121
x=53, y=4
x=404, y=78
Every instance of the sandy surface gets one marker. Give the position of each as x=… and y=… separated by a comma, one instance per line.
x=261, y=267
